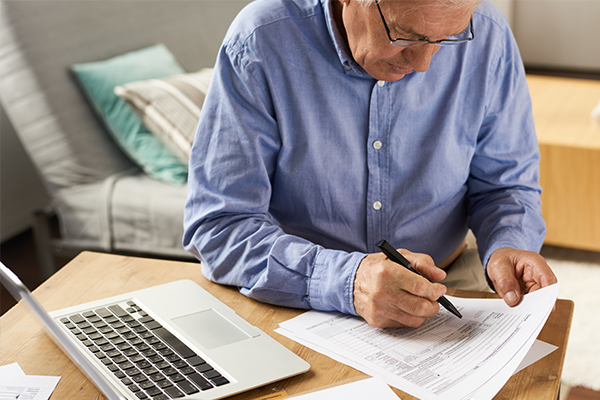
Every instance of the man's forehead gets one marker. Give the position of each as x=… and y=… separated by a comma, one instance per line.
x=419, y=16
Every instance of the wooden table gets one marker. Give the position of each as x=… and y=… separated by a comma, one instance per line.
x=92, y=276
x=570, y=166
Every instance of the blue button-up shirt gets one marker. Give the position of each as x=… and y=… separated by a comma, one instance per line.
x=302, y=161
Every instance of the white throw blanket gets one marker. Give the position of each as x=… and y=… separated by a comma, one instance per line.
x=580, y=282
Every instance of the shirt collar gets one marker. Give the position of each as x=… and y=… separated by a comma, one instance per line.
x=341, y=47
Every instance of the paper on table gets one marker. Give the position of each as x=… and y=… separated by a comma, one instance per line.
x=492, y=387
x=14, y=384
x=538, y=351
x=370, y=388
x=487, y=391
x=445, y=358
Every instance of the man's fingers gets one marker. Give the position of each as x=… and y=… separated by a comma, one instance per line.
x=502, y=274
x=515, y=273
x=388, y=295
x=424, y=265
x=391, y=316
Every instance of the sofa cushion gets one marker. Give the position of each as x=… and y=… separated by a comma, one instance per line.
x=127, y=212
x=98, y=80
x=170, y=107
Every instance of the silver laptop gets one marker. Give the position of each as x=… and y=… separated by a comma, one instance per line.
x=169, y=341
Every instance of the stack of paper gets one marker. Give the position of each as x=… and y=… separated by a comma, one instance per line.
x=14, y=384
x=446, y=358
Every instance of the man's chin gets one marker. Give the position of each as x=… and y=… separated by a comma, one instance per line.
x=392, y=74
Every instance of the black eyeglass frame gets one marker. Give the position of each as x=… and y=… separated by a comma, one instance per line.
x=394, y=42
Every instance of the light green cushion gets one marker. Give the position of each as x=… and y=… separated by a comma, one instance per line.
x=98, y=80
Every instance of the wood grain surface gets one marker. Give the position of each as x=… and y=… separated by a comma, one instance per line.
x=93, y=276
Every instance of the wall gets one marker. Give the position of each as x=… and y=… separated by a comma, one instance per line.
x=556, y=34
x=21, y=191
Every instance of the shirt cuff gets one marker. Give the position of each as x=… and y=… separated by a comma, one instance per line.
x=331, y=285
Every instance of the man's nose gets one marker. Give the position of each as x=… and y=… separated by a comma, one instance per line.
x=420, y=56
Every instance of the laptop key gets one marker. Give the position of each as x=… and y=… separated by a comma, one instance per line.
x=202, y=383
x=164, y=384
x=146, y=319
x=133, y=372
x=150, y=370
x=166, y=351
x=143, y=364
x=187, y=387
x=146, y=385
x=103, y=312
x=162, y=365
x=173, y=392
x=153, y=325
x=133, y=388
x=220, y=381
x=113, y=353
x=77, y=318
x=177, y=378
x=180, y=364
x=118, y=311
x=212, y=374
x=187, y=370
x=183, y=350
x=195, y=360
x=204, y=368
x=170, y=371
x=139, y=378
x=95, y=320
x=173, y=358
x=154, y=391
x=157, y=377
x=100, y=342
x=137, y=358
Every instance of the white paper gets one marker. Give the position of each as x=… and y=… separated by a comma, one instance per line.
x=538, y=351
x=14, y=384
x=445, y=358
x=370, y=388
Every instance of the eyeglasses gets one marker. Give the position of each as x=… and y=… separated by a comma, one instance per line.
x=444, y=42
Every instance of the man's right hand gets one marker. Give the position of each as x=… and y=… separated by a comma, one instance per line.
x=388, y=295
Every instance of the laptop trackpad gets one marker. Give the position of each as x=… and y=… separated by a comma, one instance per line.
x=210, y=329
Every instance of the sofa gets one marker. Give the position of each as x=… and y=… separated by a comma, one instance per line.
x=101, y=196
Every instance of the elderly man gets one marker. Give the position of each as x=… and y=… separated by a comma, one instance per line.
x=330, y=125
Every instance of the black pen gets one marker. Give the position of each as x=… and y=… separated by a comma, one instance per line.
x=396, y=257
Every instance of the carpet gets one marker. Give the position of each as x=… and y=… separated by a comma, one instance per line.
x=580, y=282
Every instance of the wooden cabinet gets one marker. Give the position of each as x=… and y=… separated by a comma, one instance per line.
x=570, y=165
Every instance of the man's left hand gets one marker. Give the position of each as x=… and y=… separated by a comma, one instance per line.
x=517, y=272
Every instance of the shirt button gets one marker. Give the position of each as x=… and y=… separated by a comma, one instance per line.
x=377, y=206
x=380, y=83
x=377, y=145
x=348, y=67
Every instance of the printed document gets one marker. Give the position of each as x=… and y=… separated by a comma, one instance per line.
x=446, y=357
x=14, y=384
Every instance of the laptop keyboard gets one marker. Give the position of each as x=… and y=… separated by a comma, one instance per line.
x=146, y=357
